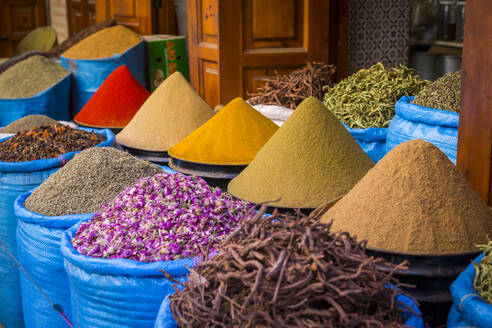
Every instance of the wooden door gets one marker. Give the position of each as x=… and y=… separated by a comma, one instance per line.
x=17, y=18
x=143, y=16
x=81, y=14
x=235, y=44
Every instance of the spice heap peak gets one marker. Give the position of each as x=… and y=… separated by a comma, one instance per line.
x=310, y=160
x=97, y=174
x=232, y=137
x=414, y=201
x=444, y=93
x=27, y=123
x=172, y=112
x=115, y=103
x=103, y=44
x=30, y=77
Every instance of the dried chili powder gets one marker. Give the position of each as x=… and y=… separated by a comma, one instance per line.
x=47, y=141
x=115, y=102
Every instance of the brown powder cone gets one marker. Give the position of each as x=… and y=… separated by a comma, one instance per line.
x=414, y=201
x=172, y=111
x=310, y=160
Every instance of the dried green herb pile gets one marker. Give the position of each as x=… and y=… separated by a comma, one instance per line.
x=288, y=270
x=444, y=93
x=47, y=141
x=27, y=123
x=29, y=77
x=367, y=98
x=91, y=179
x=291, y=89
x=483, y=276
x=17, y=59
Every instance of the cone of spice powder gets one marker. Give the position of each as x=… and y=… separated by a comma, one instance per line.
x=232, y=137
x=115, y=102
x=310, y=160
x=172, y=112
x=414, y=201
x=103, y=44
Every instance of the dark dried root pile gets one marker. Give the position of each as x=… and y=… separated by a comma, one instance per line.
x=288, y=270
x=291, y=89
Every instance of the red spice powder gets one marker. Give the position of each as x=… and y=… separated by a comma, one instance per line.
x=115, y=103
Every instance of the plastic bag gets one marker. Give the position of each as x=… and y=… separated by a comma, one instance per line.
x=53, y=102
x=469, y=309
x=89, y=74
x=278, y=114
x=371, y=140
x=439, y=127
x=16, y=179
x=38, y=249
x=165, y=317
x=117, y=292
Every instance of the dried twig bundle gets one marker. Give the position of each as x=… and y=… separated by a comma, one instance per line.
x=289, y=270
x=289, y=90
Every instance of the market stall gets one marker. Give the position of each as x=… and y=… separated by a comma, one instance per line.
x=314, y=201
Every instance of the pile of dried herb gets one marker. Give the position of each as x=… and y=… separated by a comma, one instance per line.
x=17, y=59
x=47, y=141
x=91, y=179
x=367, y=98
x=483, y=277
x=288, y=270
x=30, y=77
x=291, y=89
x=444, y=93
x=27, y=123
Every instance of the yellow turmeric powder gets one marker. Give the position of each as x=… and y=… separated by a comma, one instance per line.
x=232, y=137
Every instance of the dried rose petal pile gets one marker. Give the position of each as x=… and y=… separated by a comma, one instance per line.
x=163, y=217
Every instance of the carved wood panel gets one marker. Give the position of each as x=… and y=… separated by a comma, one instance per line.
x=17, y=18
x=139, y=15
x=80, y=14
x=251, y=39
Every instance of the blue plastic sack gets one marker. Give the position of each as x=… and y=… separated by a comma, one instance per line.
x=469, y=309
x=38, y=249
x=53, y=102
x=118, y=292
x=371, y=140
x=16, y=179
x=165, y=317
x=89, y=74
x=439, y=127
x=167, y=169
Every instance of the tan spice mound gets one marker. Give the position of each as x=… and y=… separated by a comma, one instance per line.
x=310, y=160
x=414, y=201
x=103, y=44
x=172, y=112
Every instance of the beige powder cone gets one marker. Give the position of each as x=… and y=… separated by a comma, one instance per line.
x=172, y=112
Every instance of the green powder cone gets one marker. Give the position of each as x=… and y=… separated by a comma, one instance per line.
x=310, y=160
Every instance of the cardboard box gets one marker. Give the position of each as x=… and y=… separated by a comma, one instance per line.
x=166, y=55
